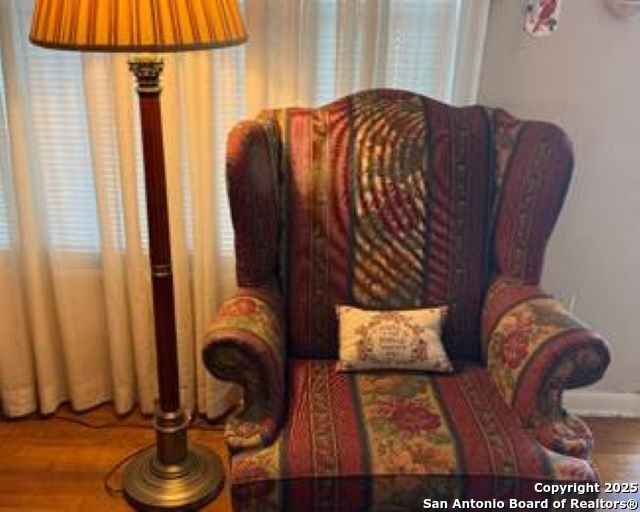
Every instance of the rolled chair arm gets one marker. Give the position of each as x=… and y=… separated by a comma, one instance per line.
x=535, y=350
x=245, y=344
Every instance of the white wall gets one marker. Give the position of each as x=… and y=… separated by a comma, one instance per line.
x=586, y=78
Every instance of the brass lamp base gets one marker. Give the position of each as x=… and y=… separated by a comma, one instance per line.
x=188, y=485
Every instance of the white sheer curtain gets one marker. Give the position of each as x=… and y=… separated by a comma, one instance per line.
x=75, y=302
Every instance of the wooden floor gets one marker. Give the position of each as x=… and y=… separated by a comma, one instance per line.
x=56, y=465
x=617, y=448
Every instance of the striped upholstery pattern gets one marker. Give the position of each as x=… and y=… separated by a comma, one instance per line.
x=136, y=25
x=388, y=199
x=385, y=441
x=387, y=205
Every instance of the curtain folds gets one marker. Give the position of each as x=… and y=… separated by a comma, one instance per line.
x=75, y=298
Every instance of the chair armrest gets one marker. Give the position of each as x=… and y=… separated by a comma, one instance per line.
x=245, y=344
x=534, y=351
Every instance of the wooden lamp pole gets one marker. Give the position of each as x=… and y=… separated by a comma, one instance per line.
x=147, y=71
x=173, y=474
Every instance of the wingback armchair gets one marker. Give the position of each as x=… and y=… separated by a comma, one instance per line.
x=386, y=200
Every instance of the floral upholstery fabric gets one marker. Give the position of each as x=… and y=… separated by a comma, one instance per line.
x=535, y=350
x=245, y=344
x=389, y=200
x=386, y=441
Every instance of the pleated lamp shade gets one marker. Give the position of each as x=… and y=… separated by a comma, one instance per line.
x=137, y=25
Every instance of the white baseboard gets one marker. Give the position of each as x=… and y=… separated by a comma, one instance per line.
x=602, y=404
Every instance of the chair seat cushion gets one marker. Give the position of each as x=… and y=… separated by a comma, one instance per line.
x=389, y=440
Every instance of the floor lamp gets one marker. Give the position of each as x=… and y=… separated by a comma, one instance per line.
x=173, y=474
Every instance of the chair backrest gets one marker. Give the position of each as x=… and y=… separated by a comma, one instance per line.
x=388, y=200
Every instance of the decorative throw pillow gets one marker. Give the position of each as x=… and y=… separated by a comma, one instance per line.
x=392, y=340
